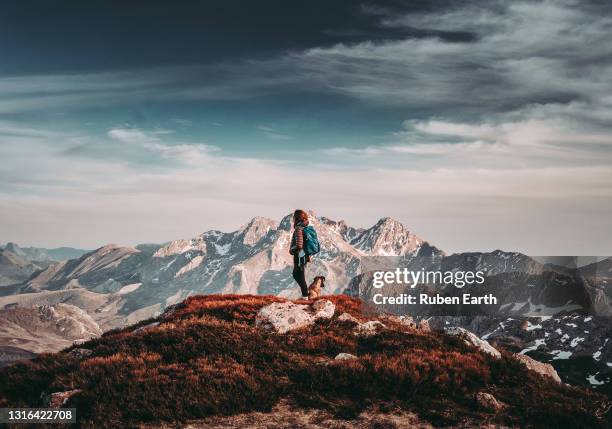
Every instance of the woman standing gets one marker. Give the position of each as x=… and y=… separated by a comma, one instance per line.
x=297, y=249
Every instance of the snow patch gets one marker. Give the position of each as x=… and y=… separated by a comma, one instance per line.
x=531, y=327
x=222, y=249
x=538, y=343
x=560, y=354
x=576, y=341
x=593, y=381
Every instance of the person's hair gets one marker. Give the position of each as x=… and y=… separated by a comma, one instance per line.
x=300, y=216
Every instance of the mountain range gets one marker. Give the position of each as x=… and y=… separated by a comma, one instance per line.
x=119, y=285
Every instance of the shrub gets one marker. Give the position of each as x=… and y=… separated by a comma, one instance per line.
x=205, y=357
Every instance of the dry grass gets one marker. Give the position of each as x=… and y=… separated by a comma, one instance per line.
x=206, y=358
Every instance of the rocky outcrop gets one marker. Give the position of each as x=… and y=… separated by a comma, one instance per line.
x=489, y=402
x=283, y=317
x=345, y=356
x=323, y=309
x=369, y=328
x=58, y=399
x=473, y=340
x=346, y=317
x=70, y=320
x=544, y=369
x=408, y=321
x=424, y=325
x=80, y=353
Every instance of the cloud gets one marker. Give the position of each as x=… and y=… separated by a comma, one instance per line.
x=185, y=152
x=505, y=140
x=503, y=143
x=522, y=54
x=273, y=134
x=130, y=135
x=94, y=201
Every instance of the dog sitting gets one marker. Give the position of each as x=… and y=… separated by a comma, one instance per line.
x=314, y=290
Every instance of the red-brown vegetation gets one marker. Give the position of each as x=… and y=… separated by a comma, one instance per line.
x=205, y=357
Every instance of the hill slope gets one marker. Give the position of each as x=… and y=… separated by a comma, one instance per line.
x=14, y=268
x=206, y=358
x=45, y=328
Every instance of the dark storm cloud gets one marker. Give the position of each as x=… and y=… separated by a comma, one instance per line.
x=73, y=36
x=432, y=57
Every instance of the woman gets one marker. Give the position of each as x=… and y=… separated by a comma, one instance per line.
x=300, y=258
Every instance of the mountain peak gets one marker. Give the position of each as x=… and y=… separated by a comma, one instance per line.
x=256, y=229
x=389, y=222
x=178, y=247
x=14, y=248
x=388, y=237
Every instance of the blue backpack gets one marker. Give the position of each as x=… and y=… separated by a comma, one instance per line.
x=311, y=241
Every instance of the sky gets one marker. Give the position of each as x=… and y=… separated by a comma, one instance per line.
x=480, y=125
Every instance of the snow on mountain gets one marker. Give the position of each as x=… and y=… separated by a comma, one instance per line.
x=387, y=238
x=348, y=233
x=578, y=346
x=252, y=259
x=178, y=247
x=121, y=285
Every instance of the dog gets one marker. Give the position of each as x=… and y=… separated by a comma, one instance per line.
x=314, y=290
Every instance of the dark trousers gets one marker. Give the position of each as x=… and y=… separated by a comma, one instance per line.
x=299, y=274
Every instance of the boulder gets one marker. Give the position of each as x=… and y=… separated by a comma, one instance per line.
x=473, y=340
x=345, y=356
x=368, y=329
x=58, y=399
x=489, y=402
x=408, y=321
x=80, y=353
x=346, y=317
x=282, y=317
x=424, y=325
x=323, y=309
x=544, y=369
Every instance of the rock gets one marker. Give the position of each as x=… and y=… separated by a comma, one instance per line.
x=489, y=402
x=282, y=317
x=473, y=340
x=58, y=399
x=80, y=353
x=424, y=325
x=408, y=321
x=323, y=309
x=146, y=327
x=368, y=329
x=346, y=317
x=345, y=356
x=544, y=369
